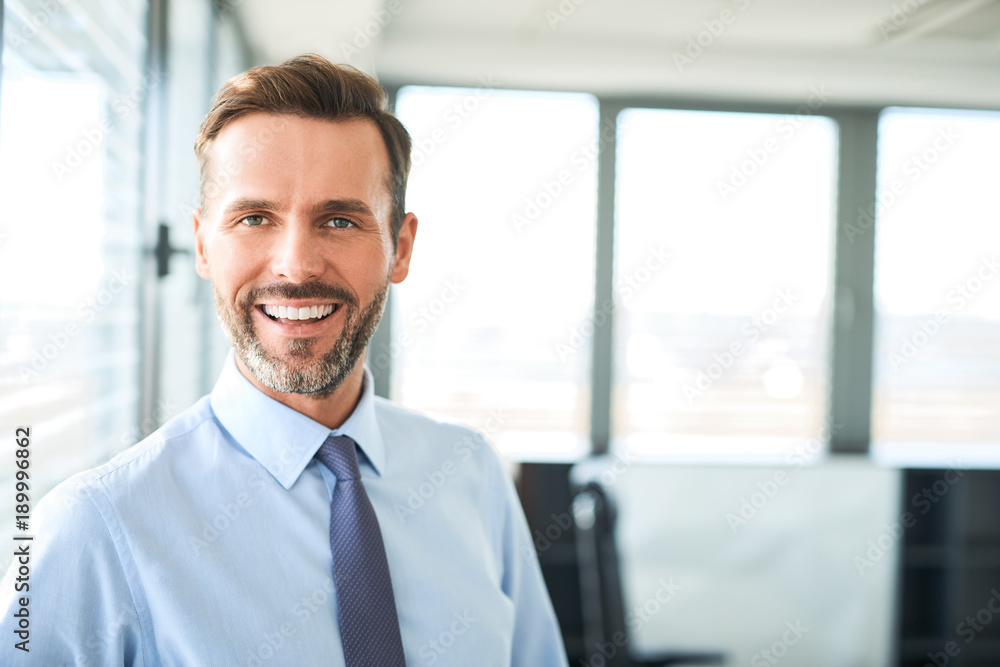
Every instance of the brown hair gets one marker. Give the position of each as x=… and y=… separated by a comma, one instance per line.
x=312, y=86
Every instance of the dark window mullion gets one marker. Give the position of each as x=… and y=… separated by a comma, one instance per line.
x=853, y=313
x=602, y=378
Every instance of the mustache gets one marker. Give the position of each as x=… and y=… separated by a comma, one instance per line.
x=304, y=291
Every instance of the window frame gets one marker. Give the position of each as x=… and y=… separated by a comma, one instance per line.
x=849, y=399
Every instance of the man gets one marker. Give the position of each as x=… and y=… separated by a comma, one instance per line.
x=272, y=523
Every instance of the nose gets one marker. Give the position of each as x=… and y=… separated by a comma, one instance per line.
x=298, y=254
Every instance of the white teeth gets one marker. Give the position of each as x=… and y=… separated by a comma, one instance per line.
x=292, y=313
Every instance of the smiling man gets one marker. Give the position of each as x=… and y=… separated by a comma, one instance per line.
x=301, y=246
x=271, y=523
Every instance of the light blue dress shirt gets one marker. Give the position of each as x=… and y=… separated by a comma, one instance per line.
x=208, y=544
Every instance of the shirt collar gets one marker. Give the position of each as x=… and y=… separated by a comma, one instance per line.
x=284, y=440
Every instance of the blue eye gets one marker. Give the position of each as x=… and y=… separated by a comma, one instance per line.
x=253, y=220
x=341, y=223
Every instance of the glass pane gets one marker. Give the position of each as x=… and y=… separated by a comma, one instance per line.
x=722, y=277
x=504, y=185
x=70, y=243
x=187, y=316
x=937, y=362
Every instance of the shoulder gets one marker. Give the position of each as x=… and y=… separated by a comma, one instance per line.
x=136, y=464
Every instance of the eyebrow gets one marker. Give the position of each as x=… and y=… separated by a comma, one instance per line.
x=355, y=206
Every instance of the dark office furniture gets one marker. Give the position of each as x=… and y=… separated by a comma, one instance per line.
x=604, y=627
x=545, y=494
x=949, y=578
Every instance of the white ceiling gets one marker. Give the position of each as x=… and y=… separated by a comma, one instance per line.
x=923, y=52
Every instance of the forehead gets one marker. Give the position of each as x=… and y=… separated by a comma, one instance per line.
x=298, y=160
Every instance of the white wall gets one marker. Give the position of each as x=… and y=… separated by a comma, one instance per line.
x=793, y=561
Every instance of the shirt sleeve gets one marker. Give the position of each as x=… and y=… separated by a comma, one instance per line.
x=537, y=640
x=69, y=589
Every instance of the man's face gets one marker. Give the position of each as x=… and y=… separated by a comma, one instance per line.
x=295, y=237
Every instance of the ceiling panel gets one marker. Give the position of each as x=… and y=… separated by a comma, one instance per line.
x=868, y=51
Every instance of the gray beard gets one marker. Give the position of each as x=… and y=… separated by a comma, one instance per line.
x=297, y=371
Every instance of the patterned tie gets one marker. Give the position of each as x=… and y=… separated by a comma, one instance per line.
x=369, y=627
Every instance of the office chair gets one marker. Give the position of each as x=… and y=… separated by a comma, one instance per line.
x=604, y=629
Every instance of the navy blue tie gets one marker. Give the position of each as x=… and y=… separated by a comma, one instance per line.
x=369, y=626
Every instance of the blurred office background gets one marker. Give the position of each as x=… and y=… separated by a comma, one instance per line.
x=735, y=260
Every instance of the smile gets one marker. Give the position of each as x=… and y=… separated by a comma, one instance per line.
x=298, y=315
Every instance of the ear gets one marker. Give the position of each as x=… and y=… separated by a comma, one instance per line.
x=404, y=248
x=201, y=259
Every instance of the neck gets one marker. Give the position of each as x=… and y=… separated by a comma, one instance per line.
x=330, y=410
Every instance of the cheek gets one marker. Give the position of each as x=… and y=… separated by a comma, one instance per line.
x=233, y=265
x=361, y=259
x=368, y=275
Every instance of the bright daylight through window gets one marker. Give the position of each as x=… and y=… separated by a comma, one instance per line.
x=937, y=282
x=491, y=325
x=722, y=273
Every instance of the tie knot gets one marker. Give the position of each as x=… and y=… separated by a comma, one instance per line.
x=338, y=454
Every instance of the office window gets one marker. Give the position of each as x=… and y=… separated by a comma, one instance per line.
x=937, y=280
x=722, y=281
x=491, y=327
x=70, y=249
x=188, y=331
